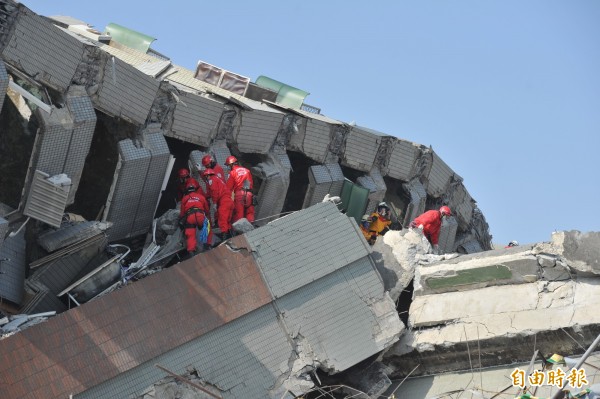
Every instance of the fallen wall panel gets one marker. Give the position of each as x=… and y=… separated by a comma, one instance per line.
x=126, y=92
x=439, y=177
x=300, y=266
x=402, y=160
x=275, y=180
x=42, y=50
x=258, y=129
x=361, y=149
x=195, y=118
x=127, y=189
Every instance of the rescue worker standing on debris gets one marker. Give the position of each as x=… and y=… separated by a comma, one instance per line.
x=430, y=223
x=183, y=177
x=380, y=221
x=365, y=224
x=193, y=217
x=241, y=184
x=220, y=195
x=208, y=162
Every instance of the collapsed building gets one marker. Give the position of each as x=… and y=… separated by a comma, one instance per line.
x=93, y=124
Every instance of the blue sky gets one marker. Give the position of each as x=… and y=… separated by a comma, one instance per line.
x=506, y=92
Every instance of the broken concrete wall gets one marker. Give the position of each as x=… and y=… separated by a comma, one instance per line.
x=418, y=198
x=447, y=235
x=258, y=128
x=439, y=176
x=503, y=302
x=153, y=139
x=275, y=180
x=361, y=148
x=137, y=184
x=42, y=50
x=459, y=200
x=403, y=160
x=314, y=142
x=84, y=123
x=323, y=179
x=581, y=249
x=505, y=330
x=128, y=185
x=64, y=138
x=195, y=118
x=125, y=91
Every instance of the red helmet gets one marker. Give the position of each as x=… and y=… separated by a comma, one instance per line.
x=208, y=172
x=183, y=173
x=207, y=160
x=191, y=185
x=444, y=210
x=230, y=160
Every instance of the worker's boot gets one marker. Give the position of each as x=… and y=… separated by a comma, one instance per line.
x=225, y=236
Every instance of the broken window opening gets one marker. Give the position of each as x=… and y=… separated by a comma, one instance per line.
x=181, y=151
x=16, y=146
x=404, y=301
x=298, y=181
x=99, y=169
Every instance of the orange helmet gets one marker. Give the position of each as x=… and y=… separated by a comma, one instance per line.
x=445, y=211
x=230, y=160
x=207, y=160
x=183, y=173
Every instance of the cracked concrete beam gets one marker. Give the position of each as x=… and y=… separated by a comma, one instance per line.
x=444, y=324
x=580, y=250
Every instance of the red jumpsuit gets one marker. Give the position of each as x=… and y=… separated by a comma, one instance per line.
x=432, y=222
x=181, y=188
x=219, y=172
x=242, y=198
x=221, y=197
x=192, y=213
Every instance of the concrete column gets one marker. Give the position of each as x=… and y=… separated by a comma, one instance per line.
x=274, y=174
x=322, y=180
x=137, y=184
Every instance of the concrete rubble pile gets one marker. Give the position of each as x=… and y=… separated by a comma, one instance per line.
x=501, y=303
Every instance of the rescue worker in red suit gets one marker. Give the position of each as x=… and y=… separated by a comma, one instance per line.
x=221, y=197
x=430, y=223
x=193, y=216
x=210, y=163
x=241, y=184
x=183, y=176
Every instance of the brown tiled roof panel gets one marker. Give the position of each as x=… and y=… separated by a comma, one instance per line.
x=80, y=348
